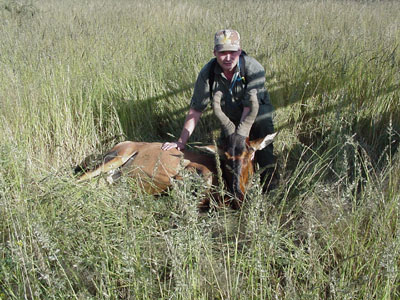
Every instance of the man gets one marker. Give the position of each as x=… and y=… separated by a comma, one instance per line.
x=246, y=108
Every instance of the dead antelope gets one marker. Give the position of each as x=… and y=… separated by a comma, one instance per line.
x=155, y=169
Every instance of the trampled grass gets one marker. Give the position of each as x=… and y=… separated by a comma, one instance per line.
x=75, y=78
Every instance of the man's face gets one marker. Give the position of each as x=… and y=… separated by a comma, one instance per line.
x=227, y=59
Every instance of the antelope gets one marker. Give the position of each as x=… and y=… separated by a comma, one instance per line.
x=156, y=169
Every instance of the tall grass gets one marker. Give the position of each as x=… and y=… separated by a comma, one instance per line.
x=77, y=77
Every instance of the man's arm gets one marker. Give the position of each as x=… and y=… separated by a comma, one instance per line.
x=191, y=120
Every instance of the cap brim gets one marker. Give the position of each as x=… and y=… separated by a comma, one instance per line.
x=220, y=48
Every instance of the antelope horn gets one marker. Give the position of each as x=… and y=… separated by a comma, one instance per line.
x=226, y=123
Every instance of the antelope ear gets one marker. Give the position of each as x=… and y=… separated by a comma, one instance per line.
x=261, y=143
x=210, y=149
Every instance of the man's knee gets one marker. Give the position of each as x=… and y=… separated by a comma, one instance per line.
x=267, y=168
x=265, y=157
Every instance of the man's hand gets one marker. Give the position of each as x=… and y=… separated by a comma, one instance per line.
x=177, y=145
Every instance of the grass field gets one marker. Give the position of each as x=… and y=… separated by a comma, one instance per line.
x=79, y=76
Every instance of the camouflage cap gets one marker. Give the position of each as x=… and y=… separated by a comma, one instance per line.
x=227, y=40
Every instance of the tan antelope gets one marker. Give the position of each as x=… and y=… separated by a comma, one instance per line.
x=156, y=169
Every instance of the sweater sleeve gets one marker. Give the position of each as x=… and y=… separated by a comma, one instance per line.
x=201, y=93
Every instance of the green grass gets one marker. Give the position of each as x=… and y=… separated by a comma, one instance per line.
x=75, y=78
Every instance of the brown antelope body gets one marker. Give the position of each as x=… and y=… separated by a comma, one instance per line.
x=155, y=169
